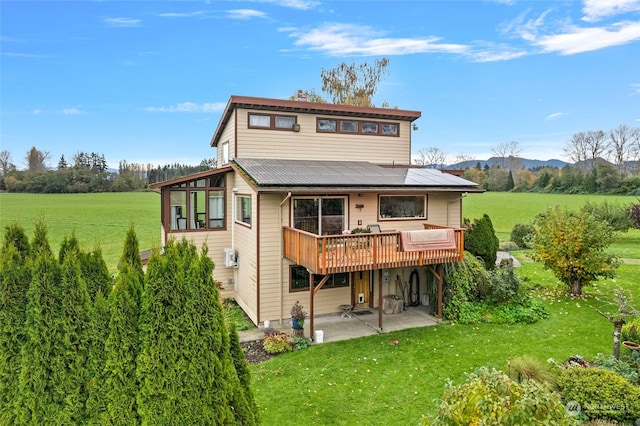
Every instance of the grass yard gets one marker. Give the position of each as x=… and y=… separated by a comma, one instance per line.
x=372, y=381
x=96, y=218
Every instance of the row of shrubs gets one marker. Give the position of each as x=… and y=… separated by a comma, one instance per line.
x=621, y=218
x=533, y=392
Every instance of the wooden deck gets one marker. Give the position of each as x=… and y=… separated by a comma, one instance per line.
x=332, y=254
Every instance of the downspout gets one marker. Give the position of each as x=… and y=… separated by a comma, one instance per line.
x=281, y=258
x=233, y=237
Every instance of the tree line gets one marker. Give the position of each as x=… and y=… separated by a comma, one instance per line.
x=80, y=347
x=604, y=163
x=86, y=172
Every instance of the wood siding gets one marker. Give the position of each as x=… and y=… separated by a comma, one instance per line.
x=307, y=143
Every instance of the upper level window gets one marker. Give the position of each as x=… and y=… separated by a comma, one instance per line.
x=224, y=157
x=359, y=127
x=271, y=121
x=243, y=209
x=403, y=207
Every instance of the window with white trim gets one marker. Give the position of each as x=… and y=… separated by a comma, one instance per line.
x=243, y=209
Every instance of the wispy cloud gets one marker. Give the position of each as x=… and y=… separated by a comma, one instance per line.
x=635, y=89
x=596, y=10
x=22, y=55
x=122, y=22
x=337, y=39
x=189, y=107
x=72, y=111
x=245, y=14
x=554, y=116
x=182, y=15
x=293, y=4
x=579, y=40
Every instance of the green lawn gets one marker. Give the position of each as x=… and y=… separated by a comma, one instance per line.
x=96, y=218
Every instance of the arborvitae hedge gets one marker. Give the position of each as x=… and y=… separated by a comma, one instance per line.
x=186, y=372
x=120, y=385
x=157, y=352
x=38, y=401
x=15, y=277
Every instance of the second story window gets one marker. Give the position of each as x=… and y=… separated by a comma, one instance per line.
x=224, y=156
x=271, y=121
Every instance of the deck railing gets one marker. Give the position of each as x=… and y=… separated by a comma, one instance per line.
x=329, y=254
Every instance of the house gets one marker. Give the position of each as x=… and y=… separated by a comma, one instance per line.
x=297, y=183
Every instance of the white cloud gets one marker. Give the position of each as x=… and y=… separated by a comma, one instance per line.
x=635, y=89
x=337, y=39
x=245, y=14
x=122, y=22
x=22, y=55
x=595, y=10
x=37, y=111
x=578, y=40
x=72, y=111
x=182, y=15
x=293, y=4
x=190, y=107
x=554, y=115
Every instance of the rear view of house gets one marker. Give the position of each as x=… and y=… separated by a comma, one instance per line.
x=318, y=203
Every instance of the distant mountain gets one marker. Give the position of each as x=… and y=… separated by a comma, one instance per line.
x=496, y=161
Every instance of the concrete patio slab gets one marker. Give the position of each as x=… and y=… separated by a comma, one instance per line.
x=334, y=327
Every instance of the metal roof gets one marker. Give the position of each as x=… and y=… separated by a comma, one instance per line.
x=279, y=174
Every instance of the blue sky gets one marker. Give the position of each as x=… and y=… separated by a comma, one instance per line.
x=147, y=81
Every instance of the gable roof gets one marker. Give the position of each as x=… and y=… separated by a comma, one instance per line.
x=331, y=176
x=281, y=105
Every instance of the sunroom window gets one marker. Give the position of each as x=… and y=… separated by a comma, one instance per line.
x=197, y=204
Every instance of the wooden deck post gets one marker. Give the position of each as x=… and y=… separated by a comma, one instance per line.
x=380, y=298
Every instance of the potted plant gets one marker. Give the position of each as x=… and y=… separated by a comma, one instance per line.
x=297, y=316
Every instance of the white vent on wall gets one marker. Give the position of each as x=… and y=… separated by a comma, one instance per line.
x=230, y=258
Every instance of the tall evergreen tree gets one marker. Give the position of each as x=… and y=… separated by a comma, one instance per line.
x=14, y=283
x=185, y=368
x=122, y=347
x=76, y=327
x=96, y=400
x=40, y=241
x=39, y=402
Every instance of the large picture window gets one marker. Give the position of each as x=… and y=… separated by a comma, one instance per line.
x=197, y=204
x=320, y=215
x=403, y=207
x=300, y=279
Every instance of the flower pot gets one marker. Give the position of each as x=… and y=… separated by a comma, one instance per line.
x=297, y=324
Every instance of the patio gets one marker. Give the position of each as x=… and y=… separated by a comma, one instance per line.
x=334, y=327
